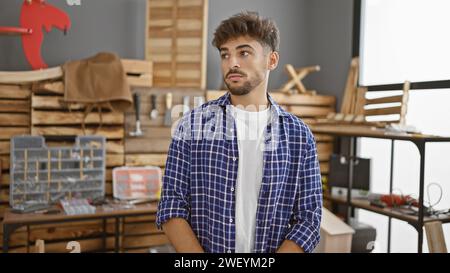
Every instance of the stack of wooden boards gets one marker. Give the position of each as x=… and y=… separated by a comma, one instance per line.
x=309, y=108
x=176, y=42
x=30, y=103
x=15, y=119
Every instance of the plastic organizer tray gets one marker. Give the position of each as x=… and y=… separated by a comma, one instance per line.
x=137, y=182
x=44, y=175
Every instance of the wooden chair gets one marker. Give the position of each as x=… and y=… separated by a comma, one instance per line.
x=356, y=108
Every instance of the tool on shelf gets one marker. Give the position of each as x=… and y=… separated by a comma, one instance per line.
x=154, y=112
x=168, y=115
x=137, y=108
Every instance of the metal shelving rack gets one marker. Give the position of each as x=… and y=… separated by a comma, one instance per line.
x=419, y=140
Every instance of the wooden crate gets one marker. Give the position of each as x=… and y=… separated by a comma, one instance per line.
x=176, y=42
x=309, y=108
x=14, y=120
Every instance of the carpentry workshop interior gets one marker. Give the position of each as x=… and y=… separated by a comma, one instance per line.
x=91, y=92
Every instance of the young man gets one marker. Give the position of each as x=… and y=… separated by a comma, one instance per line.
x=242, y=174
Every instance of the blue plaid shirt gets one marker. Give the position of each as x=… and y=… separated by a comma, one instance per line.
x=201, y=173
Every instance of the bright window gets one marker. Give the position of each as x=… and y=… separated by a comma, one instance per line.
x=408, y=40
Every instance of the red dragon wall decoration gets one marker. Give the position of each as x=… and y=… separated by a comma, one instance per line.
x=35, y=16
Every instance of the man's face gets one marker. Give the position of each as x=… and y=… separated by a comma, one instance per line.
x=245, y=64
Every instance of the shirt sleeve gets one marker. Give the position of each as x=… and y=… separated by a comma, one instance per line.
x=305, y=230
x=175, y=195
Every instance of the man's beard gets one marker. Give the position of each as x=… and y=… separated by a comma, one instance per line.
x=245, y=88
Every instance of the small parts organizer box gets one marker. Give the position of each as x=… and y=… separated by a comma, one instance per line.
x=136, y=182
x=45, y=175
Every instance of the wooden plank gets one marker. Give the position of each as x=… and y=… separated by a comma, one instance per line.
x=309, y=111
x=141, y=229
x=350, y=86
x=302, y=99
x=52, y=103
x=323, y=138
x=140, y=81
x=284, y=99
x=14, y=92
x=112, y=147
x=63, y=231
x=324, y=167
x=56, y=87
x=14, y=119
x=30, y=76
x=324, y=148
x=145, y=241
x=113, y=132
x=75, y=118
x=360, y=101
x=4, y=195
x=8, y=132
x=150, y=132
x=14, y=106
x=146, y=159
x=5, y=162
x=115, y=160
x=383, y=111
x=391, y=99
x=115, y=147
x=135, y=145
x=435, y=237
x=4, y=147
x=88, y=245
x=137, y=66
x=4, y=180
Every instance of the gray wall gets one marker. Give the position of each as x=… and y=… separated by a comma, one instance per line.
x=97, y=25
x=312, y=32
x=290, y=18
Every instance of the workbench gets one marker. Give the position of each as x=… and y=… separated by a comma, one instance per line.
x=12, y=221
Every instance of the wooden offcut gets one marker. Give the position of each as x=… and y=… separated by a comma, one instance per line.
x=435, y=237
x=295, y=84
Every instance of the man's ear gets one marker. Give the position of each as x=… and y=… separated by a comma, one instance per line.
x=274, y=58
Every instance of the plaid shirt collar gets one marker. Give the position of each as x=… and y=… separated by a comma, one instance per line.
x=226, y=100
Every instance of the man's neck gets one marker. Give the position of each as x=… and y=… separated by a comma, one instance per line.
x=256, y=100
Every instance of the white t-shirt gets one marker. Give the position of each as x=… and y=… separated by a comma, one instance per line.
x=250, y=128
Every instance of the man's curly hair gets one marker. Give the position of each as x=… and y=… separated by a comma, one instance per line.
x=249, y=24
